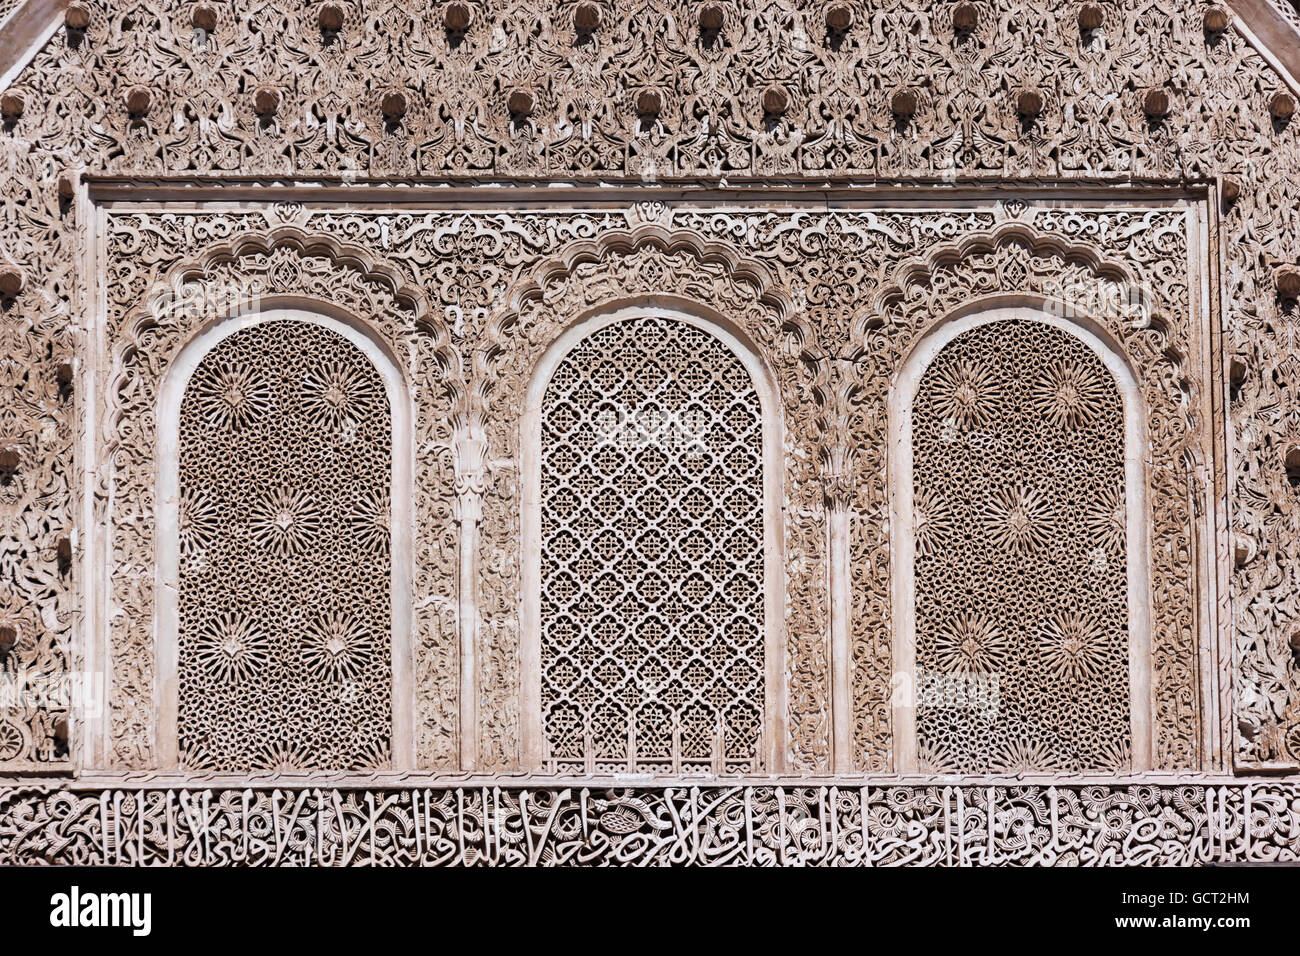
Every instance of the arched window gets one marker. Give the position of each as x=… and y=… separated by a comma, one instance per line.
x=653, y=539
x=283, y=558
x=1023, y=589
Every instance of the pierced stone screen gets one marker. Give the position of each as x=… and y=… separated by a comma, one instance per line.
x=652, y=552
x=285, y=603
x=1021, y=577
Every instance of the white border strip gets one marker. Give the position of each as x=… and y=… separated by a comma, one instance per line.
x=24, y=33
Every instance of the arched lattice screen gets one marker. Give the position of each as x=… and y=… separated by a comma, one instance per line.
x=652, y=552
x=285, y=596
x=1020, y=572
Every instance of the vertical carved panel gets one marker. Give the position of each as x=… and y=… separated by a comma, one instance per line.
x=187, y=299
x=38, y=492
x=285, y=657
x=1144, y=317
x=652, y=552
x=585, y=278
x=1021, y=586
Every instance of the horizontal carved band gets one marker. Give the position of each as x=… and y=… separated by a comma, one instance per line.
x=1110, y=825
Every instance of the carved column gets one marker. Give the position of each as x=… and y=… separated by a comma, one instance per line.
x=470, y=445
x=836, y=472
x=838, y=497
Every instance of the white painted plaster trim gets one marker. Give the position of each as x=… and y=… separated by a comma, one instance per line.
x=24, y=32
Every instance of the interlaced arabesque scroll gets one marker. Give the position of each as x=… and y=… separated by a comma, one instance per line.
x=200, y=117
x=652, y=553
x=1021, y=566
x=285, y=569
x=740, y=263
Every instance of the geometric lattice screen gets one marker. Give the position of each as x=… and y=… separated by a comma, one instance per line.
x=1021, y=575
x=652, y=553
x=285, y=598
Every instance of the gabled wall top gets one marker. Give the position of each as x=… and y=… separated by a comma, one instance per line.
x=24, y=28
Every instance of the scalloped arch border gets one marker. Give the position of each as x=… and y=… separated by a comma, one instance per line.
x=396, y=336
x=1007, y=234
x=532, y=286
x=304, y=243
x=1100, y=266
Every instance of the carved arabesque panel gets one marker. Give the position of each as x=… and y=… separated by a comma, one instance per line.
x=150, y=321
x=285, y=474
x=1021, y=565
x=652, y=552
x=39, y=687
x=795, y=284
x=1145, y=319
x=646, y=264
x=839, y=122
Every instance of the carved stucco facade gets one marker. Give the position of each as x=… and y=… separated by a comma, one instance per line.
x=169, y=166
